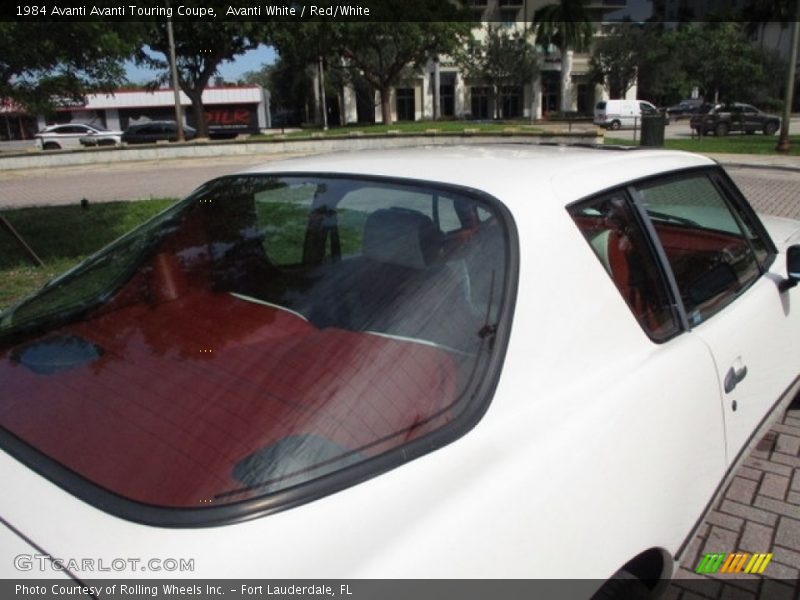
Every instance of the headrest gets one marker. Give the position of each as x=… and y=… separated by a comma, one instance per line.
x=401, y=237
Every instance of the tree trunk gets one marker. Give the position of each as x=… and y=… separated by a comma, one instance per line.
x=199, y=113
x=386, y=106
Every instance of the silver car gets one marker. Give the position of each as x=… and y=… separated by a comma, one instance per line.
x=73, y=135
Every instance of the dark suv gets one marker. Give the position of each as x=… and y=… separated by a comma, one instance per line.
x=684, y=108
x=155, y=131
x=720, y=119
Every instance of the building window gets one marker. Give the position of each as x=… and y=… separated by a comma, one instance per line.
x=405, y=104
x=511, y=102
x=480, y=102
x=447, y=99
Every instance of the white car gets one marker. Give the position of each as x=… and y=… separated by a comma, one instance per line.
x=462, y=362
x=74, y=135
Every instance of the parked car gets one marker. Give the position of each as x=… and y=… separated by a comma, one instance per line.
x=684, y=108
x=72, y=135
x=455, y=362
x=721, y=119
x=619, y=114
x=156, y=131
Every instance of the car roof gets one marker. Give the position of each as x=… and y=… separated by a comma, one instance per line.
x=59, y=125
x=503, y=170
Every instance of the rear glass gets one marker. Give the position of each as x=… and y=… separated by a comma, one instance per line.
x=266, y=333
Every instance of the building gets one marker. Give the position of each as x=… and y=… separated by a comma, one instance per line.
x=562, y=84
x=230, y=110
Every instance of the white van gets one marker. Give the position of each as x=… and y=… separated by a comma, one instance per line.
x=616, y=114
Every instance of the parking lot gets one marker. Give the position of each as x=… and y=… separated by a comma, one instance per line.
x=679, y=129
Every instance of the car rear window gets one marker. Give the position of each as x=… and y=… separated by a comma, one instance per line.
x=266, y=341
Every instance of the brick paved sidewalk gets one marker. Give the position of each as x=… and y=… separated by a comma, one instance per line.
x=758, y=513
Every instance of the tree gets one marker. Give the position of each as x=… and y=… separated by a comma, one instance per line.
x=645, y=54
x=200, y=48
x=723, y=61
x=301, y=47
x=290, y=81
x=383, y=53
x=567, y=26
x=500, y=59
x=617, y=57
x=44, y=64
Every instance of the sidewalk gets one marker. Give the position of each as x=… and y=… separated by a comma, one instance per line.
x=759, y=512
x=757, y=161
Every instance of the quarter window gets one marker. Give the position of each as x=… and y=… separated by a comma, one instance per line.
x=710, y=251
x=610, y=226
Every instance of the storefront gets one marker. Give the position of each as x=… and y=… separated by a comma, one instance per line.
x=229, y=110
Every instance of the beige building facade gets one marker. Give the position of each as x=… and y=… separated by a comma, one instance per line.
x=562, y=83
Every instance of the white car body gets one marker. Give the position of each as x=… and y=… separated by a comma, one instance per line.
x=74, y=135
x=598, y=444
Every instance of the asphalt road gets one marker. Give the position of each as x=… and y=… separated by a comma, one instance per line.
x=769, y=190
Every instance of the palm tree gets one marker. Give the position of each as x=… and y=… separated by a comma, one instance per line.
x=566, y=26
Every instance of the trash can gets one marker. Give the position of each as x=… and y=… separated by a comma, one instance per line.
x=653, y=130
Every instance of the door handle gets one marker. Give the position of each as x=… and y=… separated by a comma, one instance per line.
x=733, y=377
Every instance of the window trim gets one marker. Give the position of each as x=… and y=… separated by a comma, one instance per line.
x=664, y=268
x=482, y=391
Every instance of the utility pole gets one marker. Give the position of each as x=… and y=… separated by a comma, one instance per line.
x=173, y=67
x=783, y=139
x=322, y=95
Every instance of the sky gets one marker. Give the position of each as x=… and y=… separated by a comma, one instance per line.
x=231, y=71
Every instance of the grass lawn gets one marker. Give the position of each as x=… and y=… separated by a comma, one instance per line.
x=62, y=236
x=733, y=144
x=416, y=127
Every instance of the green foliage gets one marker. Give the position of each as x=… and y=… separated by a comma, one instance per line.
x=500, y=59
x=290, y=83
x=717, y=57
x=376, y=55
x=616, y=58
x=731, y=144
x=63, y=236
x=720, y=57
x=566, y=25
x=383, y=53
x=45, y=64
x=200, y=48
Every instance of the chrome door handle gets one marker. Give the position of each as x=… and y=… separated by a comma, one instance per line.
x=733, y=377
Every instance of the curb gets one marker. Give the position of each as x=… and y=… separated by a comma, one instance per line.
x=97, y=156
